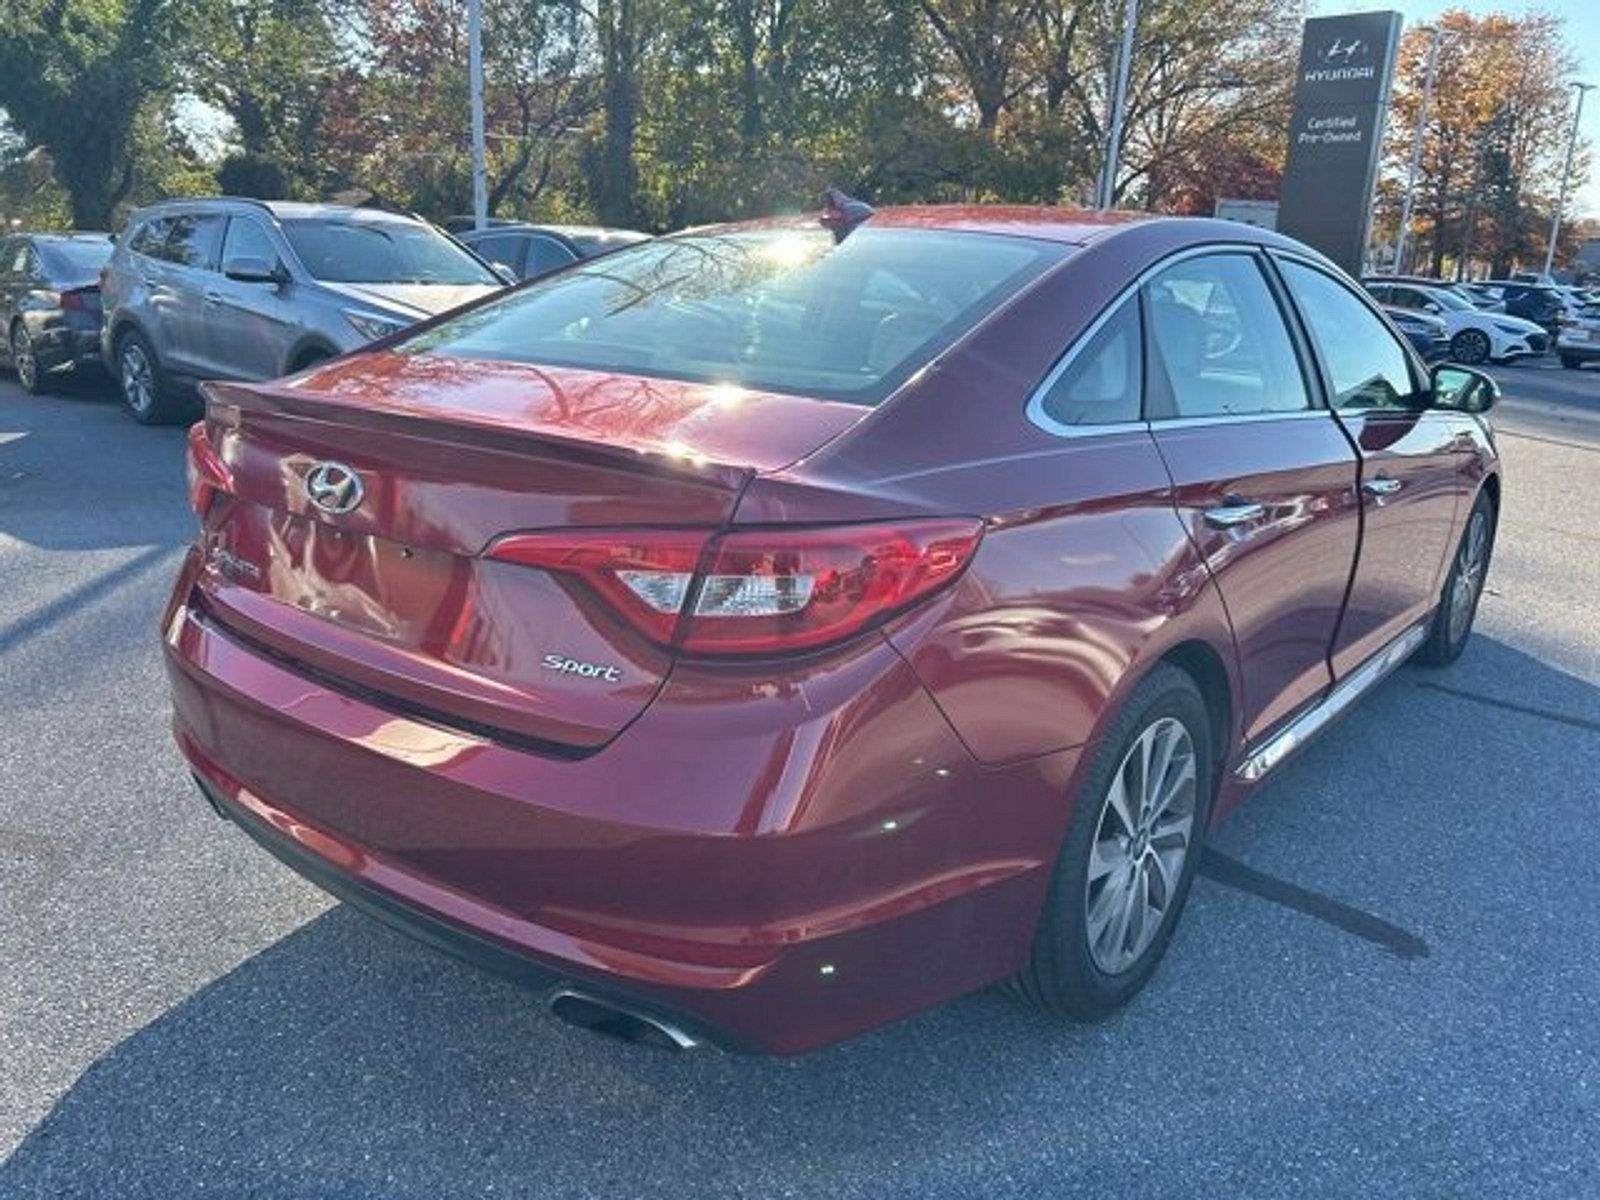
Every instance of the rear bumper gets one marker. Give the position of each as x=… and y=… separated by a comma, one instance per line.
x=62, y=345
x=777, y=883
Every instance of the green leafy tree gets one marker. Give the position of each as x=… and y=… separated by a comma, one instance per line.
x=74, y=77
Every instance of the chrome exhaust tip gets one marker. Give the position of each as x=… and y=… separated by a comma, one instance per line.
x=617, y=1021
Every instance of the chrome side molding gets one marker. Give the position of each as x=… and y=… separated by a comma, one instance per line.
x=1345, y=693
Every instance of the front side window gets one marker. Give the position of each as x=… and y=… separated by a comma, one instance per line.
x=1102, y=383
x=366, y=250
x=503, y=248
x=1218, y=343
x=1367, y=367
x=782, y=309
x=545, y=254
x=246, y=239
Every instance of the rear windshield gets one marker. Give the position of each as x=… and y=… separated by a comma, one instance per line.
x=79, y=257
x=381, y=252
x=782, y=310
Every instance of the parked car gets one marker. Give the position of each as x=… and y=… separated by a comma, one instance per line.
x=1482, y=295
x=50, y=303
x=1538, y=303
x=529, y=251
x=1579, y=339
x=1476, y=336
x=1429, y=336
x=244, y=289
x=768, y=631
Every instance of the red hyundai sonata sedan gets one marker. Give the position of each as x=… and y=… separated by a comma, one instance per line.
x=766, y=632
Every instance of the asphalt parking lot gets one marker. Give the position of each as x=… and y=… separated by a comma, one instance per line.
x=1387, y=983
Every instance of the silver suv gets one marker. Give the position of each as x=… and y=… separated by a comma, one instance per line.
x=246, y=289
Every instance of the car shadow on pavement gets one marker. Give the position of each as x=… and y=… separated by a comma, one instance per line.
x=1274, y=1053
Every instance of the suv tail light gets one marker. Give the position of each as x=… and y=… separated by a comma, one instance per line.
x=756, y=591
x=207, y=473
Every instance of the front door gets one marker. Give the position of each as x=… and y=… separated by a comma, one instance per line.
x=1412, y=459
x=1264, y=478
x=250, y=326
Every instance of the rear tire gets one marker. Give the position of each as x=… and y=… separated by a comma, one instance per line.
x=25, y=362
x=1463, y=588
x=1470, y=346
x=1124, y=871
x=1570, y=363
x=142, y=383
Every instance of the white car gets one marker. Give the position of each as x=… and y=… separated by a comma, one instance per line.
x=1476, y=336
x=1579, y=339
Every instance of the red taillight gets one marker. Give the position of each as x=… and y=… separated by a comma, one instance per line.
x=757, y=591
x=84, y=299
x=206, y=471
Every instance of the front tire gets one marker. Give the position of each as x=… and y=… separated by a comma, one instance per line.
x=1124, y=871
x=1571, y=363
x=1470, y=346
x=1463, y=588
x=142, y=383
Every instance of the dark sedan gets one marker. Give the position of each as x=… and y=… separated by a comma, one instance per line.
x=50, y=302
x=1428, y=335
x=533, y=250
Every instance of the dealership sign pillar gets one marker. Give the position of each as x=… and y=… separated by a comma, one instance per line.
x=1336, y=132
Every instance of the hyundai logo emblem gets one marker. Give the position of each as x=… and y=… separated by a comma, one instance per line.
x=334, y=487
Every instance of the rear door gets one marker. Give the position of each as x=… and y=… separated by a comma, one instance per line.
x=1412, y=461
x=1264, y=478
x=191, y=269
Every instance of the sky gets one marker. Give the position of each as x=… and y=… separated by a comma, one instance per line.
x=1582, y=19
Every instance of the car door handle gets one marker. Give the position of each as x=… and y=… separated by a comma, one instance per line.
x=1381, y=486
x=1228, y=516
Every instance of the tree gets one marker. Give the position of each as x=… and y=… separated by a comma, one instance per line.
x=74, y=77
x=1496, y=130
x=267, y=64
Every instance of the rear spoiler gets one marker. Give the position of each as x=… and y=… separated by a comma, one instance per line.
x=229, y=403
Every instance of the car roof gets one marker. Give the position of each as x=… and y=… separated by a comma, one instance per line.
x=282, y=209
x=566, y=231
x=77, y=235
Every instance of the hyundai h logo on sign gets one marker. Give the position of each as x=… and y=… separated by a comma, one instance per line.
x=334, y=487
x=1343, y=59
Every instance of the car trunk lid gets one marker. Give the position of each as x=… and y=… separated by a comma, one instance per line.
x=395, y=596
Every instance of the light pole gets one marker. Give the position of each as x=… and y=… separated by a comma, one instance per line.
x=1119, y=102
x=1416, y=151
x=1566, y=170
x=480, y=182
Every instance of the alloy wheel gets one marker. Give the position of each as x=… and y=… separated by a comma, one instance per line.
x=138, y=379
x=1470, y=570
x=1142, y=838
x=1471, y=346
x=23, y=358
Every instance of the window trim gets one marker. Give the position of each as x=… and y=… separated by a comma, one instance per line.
x=1414, y=366
x=1311, y=367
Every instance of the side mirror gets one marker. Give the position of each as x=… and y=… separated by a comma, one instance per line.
x=507, y=275
x=1431, y=307
x=249, y=269
x=1463, y=389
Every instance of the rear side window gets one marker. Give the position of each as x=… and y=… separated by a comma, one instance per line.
x=195, y=240
x=783, y=310
x=1218, y=343
x=1366, y=365
x=150, y=239
x=1101, y=383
